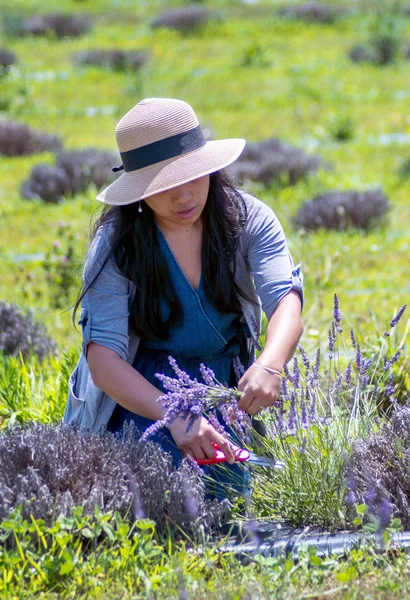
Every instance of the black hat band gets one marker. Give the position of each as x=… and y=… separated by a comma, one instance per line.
x=170, y=147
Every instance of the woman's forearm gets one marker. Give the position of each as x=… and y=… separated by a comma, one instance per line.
x=123, y=383
x=283, y=332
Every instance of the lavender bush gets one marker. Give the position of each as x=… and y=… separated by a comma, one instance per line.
x=20, y=333
x=341, y=210
x=72, y=174
x=88, y=166
x=378, y=472
x=116, y=60
x=7, y=58
x=272, y=159
x=18, y=139
x=315, y=430
x=361, y=53
x=47, y=183
x=58, y=24
x=184, y=19
x=49, y=470
x=312, y=12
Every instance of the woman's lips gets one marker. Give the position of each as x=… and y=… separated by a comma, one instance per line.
x=186, y=214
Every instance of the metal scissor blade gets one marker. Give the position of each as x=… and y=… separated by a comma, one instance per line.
x=263, y=461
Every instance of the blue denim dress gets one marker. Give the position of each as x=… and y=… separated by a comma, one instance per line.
x=203, y=336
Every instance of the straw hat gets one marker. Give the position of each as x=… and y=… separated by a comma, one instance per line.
x=162, y=146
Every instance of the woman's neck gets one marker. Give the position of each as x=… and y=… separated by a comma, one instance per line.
x=180, y=230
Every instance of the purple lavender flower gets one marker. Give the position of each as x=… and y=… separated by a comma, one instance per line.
x=214, y=421
x=389, y=363
x=337, y=315
x=194, y=465
x=337, y=385
x=182, y=376
x=363, y=365
x=208, y=376
x=279, y=421
x=238, y=368
x=302, y=448
x=384, y=513
x=296, y=373
x=389, y=389
x=287, y=373
x=396, y=319
x=351, y=498
x=284, y=390
x=305, y=360
x=353, y=338
x=303, y=412
x=312, y=408
x=359, y=358
x=348, y=374
x=292, y=415
x=332, y=339
x=226, y=414
x=313, y=378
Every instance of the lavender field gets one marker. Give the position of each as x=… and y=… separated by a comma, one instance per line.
x=320, y=91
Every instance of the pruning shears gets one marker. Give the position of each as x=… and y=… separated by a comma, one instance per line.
x=241, y=455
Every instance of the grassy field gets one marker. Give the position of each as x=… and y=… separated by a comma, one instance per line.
x=247, y=74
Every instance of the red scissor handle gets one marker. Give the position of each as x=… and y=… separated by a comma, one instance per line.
x=241, y=455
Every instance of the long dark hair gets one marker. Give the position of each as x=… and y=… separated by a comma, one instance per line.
x=135, y=248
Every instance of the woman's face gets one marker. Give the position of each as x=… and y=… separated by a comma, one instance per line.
x=182, y=205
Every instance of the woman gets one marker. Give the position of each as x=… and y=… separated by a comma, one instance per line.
x=177, y=265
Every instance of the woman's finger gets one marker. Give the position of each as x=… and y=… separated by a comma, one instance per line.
x=225, y=447
x=255, y=407
x=197, y=452
x=208, y=449
x=245, y=401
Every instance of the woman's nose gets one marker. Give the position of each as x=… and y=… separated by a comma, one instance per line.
x=182, y=194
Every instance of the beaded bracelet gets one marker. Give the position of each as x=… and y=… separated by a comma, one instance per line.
x=268, y=369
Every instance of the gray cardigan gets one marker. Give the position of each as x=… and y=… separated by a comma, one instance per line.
x=264, y=271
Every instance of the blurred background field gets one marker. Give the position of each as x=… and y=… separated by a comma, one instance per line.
x=248, y=72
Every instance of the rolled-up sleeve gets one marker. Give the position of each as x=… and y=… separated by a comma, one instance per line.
x=270, y=261
x=104, y=315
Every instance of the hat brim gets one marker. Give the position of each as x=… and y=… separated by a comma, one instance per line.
x=137, y=185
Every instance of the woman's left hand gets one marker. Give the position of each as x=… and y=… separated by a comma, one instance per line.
x=260, y=390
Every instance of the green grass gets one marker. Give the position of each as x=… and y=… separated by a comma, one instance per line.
x=106, y=558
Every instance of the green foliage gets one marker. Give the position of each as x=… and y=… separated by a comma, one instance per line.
x=342, y=127
x=40, y=554
x=108, y=558
x=386, y=35
x=34, y=390
x=62, y=268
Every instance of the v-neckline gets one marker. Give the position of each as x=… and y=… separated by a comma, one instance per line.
x=173, y=257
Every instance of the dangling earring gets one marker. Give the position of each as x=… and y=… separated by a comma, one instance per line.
x=139, y=206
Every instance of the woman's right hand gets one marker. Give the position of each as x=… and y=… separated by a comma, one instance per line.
x=197, y=442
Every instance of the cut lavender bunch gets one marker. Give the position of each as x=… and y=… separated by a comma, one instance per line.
x=189, y=399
